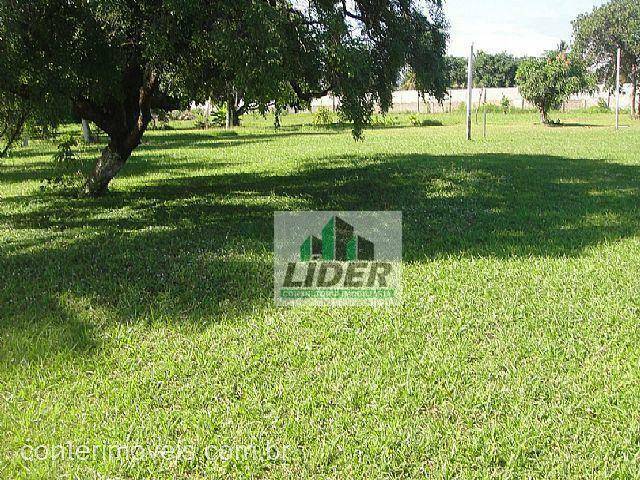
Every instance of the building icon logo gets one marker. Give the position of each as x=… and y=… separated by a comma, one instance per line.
x=338, y=243
x=337, y=258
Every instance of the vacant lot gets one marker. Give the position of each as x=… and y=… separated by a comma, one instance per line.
x=145, y=318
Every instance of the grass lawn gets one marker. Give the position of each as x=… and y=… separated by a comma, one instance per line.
x=145, y=320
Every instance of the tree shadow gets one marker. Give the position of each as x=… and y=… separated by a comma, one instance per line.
x=146, y=158
x=195, y=248
x=577, y=124
x=207, y=139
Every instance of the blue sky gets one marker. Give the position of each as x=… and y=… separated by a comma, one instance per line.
x=520, y=27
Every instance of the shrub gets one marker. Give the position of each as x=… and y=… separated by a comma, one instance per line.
x=505, y=103
x=603, y=105
x=384, y=121
x=67, y=176
x=216, y=118
x=426, y=122
x=219, y=116
x=323, y=117
x=491, y=108
x=160, y=120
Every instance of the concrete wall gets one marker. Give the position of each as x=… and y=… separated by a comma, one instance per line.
x=409, y=101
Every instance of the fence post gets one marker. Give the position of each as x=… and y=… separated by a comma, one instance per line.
x=469, y=91
x=484, y=124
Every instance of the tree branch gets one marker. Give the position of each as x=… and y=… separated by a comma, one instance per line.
x=308, y=96
x=347, y=13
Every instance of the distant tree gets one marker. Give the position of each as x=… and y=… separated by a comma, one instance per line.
x=112, y=61
x=548, y=81
x=456, y=74
x=495, y=70
x=408, y=80
x=457, y=71
x=597, y=36
x=490, y=70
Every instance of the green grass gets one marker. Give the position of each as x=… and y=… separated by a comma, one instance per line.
x=146, y=318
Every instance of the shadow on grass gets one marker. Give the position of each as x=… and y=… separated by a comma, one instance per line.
x=146, y=158
x=199, y=248
x=577, y=124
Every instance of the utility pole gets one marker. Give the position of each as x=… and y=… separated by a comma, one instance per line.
x=469, y=91
x=618, y=89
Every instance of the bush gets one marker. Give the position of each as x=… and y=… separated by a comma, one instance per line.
x=67, y=176
x=491, y=108
x=416, y=121
x=384, y=121
x=216, y=118
x=181, y=115
x=603, y=105
x=323, y=117
x=505, y=103
x=160, y=120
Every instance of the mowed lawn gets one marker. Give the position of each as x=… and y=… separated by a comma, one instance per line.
x=146, y=318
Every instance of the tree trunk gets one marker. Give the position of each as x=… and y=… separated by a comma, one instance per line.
x=105, y=169
x=125, y=122
x=231, y=107
x=233, y=111
x=235, y=120
x=543, y=117
x=86, y=131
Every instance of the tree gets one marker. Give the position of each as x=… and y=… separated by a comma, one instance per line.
x=457, y=71
x=548, y=81
x=598, y=35
x=456, y=74
x=495, y=70
x=112, y=61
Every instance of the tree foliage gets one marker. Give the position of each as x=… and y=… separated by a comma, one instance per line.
x=112, y=61
x=457, y=71
x=597, y=36
x=495, y=70
x=490, y=70
x=548, y=81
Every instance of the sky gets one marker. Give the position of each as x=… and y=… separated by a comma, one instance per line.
x=520, y=27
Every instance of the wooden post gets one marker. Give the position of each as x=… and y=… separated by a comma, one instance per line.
x=618, y=89
x=469, y=91
x=484, y=124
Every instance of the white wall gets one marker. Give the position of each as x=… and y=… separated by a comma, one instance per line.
x=410, y=101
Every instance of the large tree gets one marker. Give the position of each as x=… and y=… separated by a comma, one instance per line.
x=548, y=81
x=597, y=36
x=112, y=61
